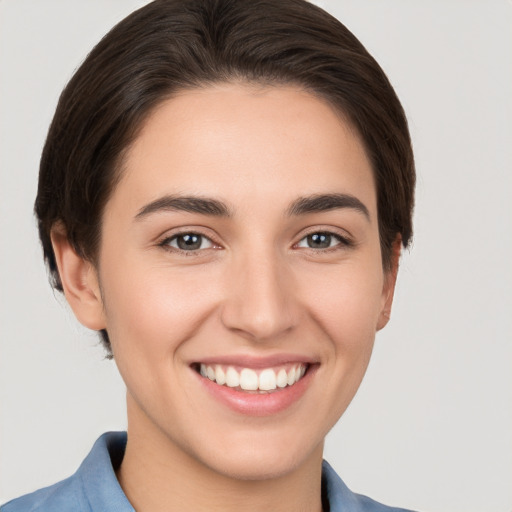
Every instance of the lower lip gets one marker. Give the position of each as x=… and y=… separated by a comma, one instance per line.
x=259, y=404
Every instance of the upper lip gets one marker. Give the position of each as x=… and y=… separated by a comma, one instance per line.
x=256, y=362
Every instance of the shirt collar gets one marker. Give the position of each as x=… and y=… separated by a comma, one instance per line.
x=97, y=474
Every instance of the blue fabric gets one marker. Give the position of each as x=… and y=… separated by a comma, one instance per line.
x=94, y=487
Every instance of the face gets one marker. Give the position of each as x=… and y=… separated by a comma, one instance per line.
x=241, y=277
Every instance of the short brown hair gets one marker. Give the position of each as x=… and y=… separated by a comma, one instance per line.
x=170, y=45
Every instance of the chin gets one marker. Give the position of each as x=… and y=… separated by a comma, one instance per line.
x=262, y=461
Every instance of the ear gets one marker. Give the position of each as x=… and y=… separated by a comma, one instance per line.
x=388, y=290
x=80, y=282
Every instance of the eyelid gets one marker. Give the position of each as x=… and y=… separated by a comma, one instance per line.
x=203, y=240
x=345, y=240
x=165, y=239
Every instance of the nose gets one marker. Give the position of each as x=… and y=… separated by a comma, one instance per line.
x=260, y=302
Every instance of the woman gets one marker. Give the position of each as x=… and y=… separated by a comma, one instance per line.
x=224, y=193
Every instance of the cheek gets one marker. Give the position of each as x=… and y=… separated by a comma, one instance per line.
x=345, y=308
x=347, y=303
x=157, y=308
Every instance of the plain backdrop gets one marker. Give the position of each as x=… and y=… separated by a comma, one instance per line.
x=431, y=427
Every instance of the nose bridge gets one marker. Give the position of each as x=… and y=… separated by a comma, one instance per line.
x=259, y=302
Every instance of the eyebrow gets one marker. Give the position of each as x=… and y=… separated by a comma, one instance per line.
x=216, y=208
x=192, y=204
x=326, y=202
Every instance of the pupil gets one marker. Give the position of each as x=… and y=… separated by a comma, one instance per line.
x=319, y=240
x=188, y=242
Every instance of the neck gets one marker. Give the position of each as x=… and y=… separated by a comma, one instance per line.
x=157, y=475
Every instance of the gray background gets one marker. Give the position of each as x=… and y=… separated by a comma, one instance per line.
x=431, y=427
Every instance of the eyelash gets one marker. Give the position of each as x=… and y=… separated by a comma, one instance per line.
x=166, y=243
x=342, y=242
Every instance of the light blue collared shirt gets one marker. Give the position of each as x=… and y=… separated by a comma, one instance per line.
x=94, y=487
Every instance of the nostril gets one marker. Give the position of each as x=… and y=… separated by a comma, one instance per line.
x=259, y=305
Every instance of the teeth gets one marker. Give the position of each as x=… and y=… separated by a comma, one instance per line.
x=210, y=373
x=291, y=377
x=220, y=376
x=232, y=378
x=249, y=380
x=282, y=378
x=267, y=380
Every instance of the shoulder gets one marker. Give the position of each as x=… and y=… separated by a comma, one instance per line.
x=368, y=505
x=62, y=496
x=341, y=498
x=94, y=486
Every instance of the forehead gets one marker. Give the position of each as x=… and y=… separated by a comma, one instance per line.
x=243, y=143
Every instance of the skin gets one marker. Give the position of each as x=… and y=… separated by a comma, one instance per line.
x=254, y=288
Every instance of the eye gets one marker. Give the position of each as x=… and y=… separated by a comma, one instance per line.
x=322, y=240
x=188, y=242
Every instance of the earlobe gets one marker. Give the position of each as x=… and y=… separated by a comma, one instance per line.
x=388, y=291
x=79, y=281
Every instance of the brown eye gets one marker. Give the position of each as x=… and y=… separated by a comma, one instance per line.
x=189, y=242
x=322, y=240
x=319, y=240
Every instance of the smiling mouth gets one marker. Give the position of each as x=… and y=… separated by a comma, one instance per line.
x=265, y=380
